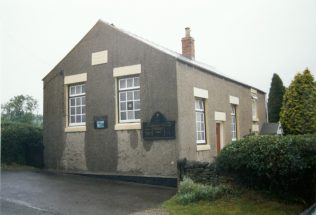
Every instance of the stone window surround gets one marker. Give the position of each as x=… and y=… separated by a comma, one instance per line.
x=254, y=105
x=202, y=93
x=129, y=95
x=76, y=101
x=200, y=120
x=234, y=122
x=120, y=72
x=100, y=57
x=69, y=80
x=233, y=100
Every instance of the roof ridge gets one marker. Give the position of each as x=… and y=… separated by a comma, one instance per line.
x=180, y=57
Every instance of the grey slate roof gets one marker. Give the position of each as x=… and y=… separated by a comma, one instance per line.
x=269, y=128
x=183, y=59
x=177, y=56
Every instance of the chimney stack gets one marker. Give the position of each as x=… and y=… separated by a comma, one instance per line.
x=188, y=45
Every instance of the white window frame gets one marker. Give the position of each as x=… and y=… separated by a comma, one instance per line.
x=233, y=121
x=131, y=90
x=82, y=97
x=254, y=109
x=200, y=121
x=254, y=106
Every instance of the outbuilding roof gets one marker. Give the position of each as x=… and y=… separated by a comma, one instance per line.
x=270, y=128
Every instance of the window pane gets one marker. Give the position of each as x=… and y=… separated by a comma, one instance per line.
x=72, y=111
x=136, y=81
x=233, y=110
x=137, y=114
x=202, y=117
x=196, y=104
x=123, y=105
x=72, y=119
x=78, y=101
x=123, y=96
x=83, y=100
x=83, y=88
x=122, y=83
x=129, y=99
x=130, y=115
x=202, y=126
x=199, y=104
x=136, y=94
x=203, y=136
x=137, y=105
x=130, y=82
x=72, y=90
x=130, y=106
x=84, y=118
x=199, y=120
x=130, y=96
x=76, y=104
x=78, y=89
x=72, y=102
x=198, y=126
x=123, y=115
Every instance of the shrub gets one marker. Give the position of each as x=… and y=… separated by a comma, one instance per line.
x=21, y=143
x=191, y=192
x=280, y=164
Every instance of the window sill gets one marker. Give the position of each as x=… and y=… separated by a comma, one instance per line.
x=255, y=119
x=75, y=129
x=203, y=147
x=128, y=126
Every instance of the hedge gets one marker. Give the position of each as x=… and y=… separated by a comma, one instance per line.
x=282, y=164
x=21, y=143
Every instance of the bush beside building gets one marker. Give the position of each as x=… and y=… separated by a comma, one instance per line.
x=22, y=144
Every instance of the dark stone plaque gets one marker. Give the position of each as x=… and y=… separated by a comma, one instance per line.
x=100, y=122
x=159, y=128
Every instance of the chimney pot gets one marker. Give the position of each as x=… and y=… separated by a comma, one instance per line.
x=187, y=32
x=188, y=45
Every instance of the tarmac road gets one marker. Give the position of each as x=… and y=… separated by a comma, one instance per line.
x=44, y=193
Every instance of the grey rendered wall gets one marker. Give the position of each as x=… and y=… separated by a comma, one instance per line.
x=107, y=150
x=219, y=91
x=53, y=135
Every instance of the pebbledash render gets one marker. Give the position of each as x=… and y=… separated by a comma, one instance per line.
x=98, y=97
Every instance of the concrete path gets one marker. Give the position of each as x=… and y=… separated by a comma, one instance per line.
x=48, y=193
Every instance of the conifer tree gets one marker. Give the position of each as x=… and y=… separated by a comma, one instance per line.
x=275, y=98
x=298, y=112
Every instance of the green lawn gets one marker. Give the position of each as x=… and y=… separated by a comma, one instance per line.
x=247, y=202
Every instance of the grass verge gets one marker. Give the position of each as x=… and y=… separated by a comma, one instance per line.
x=248, y=203
x=16, y=167
x=240, y=202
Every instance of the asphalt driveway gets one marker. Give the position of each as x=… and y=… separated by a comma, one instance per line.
x=49, y=193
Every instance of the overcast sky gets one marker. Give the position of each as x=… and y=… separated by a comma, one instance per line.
x=246, y=40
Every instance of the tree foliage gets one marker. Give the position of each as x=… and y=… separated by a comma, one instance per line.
x=298, y=112
x=275, y=98
x=21, y=108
